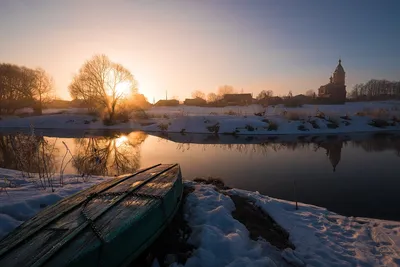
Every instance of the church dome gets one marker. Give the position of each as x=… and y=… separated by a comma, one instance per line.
x=339, y=67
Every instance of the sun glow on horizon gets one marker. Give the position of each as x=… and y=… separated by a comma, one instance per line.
x=149, y=88
x=123, y=89
x=121, y=140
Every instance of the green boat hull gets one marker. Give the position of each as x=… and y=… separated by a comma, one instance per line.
x=110, y=224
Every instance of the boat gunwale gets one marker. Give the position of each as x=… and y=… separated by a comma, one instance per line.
x=128, y=260
x=8, y=249
x=43, y=259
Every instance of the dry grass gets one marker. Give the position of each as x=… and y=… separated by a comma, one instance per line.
x=376, y=113
x=158, y=115
x=231, y=113
x=295, y=115
x=163, y=126
x=35, y=158
x=334, y=119
x=273, y=126
x=213, y=128
x=217, y=182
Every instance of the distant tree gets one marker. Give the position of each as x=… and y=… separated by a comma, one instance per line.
x=225, y=89
x=212, y=97
x=310, y=93
x=265, y=94
x=137, y=102
x=43, y=90
x=175, y=97
x=23, y=87
x=198, y=94
x=376, y=89
x=103, y=85
x=290, y=94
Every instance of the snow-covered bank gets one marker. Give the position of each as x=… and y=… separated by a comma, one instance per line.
x=21, y=198
x=320, y=237
x=250, y=120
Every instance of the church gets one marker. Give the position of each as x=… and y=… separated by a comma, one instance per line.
x=335, y=90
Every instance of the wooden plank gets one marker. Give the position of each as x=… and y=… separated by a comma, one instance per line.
x=86, y=244
x=54, y=212
x=132, y=182
x=135, y=221
x=49, y=215
x=108, y=198
x=160, y=185
x=79, y=229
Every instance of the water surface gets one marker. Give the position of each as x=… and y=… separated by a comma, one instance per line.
x=351, y=175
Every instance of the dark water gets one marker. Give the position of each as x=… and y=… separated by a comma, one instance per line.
x=351, y=175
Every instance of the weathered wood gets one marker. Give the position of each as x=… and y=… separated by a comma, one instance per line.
x=56, y=211
x=110, y=225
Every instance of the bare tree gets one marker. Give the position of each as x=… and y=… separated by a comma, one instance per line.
x=198, y=94
x=212, y=97
x=265, y=94
x=103, y=85
x=43, y=90
x=310, y=93
x=225, y=89
x=376, y=89
x=16, y=87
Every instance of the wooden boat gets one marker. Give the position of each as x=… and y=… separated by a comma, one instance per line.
x=109, y=224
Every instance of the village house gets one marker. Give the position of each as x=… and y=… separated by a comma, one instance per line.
x=167, y=103
x=238, y=99
x=335, y=90
x=195, y=102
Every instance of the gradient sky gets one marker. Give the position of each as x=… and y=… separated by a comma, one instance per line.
x=182, y=46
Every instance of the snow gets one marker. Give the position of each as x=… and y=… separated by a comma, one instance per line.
x=320, y=237
x=350, y=107
x=235, y=120
x=220, y=239
x=324, y=238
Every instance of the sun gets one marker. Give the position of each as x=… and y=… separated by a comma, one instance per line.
x=123, y=89
x=121, y=140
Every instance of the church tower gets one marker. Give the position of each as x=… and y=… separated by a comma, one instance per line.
x=339, y=74
x=335, y=91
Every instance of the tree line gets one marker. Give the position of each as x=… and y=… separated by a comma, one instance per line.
x=213, y=97
x=111, y=91
x=104, y=87
x=22, y=87
x=375, y=90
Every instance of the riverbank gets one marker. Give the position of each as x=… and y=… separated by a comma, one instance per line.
x=219, y=236
x=250, y=120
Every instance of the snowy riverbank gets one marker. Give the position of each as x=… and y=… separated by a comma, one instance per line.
x=250, y=120
x=320, y=237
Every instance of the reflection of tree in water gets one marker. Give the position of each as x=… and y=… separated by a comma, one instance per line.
x=333, y=148
x=261, y=148
x=7, y=156
x=27, y=153
x=108, y=155
x=380, y=143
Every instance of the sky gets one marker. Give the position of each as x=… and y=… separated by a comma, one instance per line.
x=180, y=46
